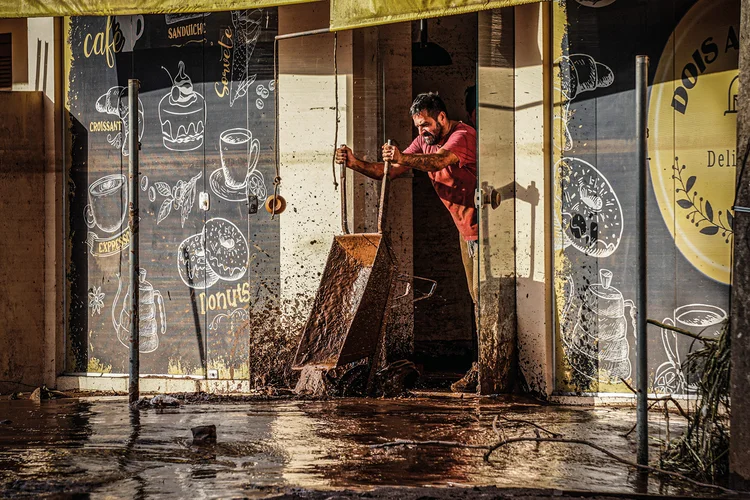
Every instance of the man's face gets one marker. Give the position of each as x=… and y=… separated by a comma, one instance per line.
x=429, y=128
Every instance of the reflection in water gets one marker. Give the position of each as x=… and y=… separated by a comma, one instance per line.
x=101, y=447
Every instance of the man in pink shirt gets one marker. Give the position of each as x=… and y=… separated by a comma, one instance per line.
x=447, y=150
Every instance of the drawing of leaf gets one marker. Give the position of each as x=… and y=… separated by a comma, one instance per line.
x=685, y=203
x=710, y=230
x=163, y=189
x=166, y=208
x=187, y=203
x=730, y=219
x=690, y=183
x=709, y=211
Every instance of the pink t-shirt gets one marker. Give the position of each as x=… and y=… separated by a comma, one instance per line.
x=456, y=183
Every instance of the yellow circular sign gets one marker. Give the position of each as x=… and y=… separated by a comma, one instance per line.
x=692, y=134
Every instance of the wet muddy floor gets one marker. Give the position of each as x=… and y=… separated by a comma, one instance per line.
x=97, y=447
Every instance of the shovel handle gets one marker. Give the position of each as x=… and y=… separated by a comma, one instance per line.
x=384, y=193
x=342, y=186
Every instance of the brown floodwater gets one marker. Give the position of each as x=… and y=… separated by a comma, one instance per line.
x=96, y=446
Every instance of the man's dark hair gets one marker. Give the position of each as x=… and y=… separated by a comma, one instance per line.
x=430, y=102
x=470, y=99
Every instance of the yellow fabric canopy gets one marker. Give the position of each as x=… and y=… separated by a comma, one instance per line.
x=60, y=8
x=348, y=14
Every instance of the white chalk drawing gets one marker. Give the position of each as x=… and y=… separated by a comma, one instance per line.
x=219, y=252
x=182, y=114
x=115, y=102
x=181, y=197
x=152, y=318
x=177, y=18
x=239, y=314
x=579, y=73
x=106, y=212
x=596, y=3
x=597, y=346
x=238, y=175
x=96, y=300
x=131, y=28
x=246, y=33
x=701, y=319
x=591, y=215
x=144, y=182
x=263, y=93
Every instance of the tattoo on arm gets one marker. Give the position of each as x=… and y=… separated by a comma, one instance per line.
x=373, y=170
x=431, y=162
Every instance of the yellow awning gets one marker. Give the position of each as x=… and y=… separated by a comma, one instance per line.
x=60, y=8
x=348, y=14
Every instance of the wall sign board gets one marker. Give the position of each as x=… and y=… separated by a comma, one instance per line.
x=206, y=125
x=693, y=50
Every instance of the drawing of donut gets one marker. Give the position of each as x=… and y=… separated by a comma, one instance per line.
x=227, y=251
x=591, y=215
x=191, y=263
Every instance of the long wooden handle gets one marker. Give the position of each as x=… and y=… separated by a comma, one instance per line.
x=384, y=193
x=342, y=186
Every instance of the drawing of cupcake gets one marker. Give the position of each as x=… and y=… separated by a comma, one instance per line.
x=182, y=114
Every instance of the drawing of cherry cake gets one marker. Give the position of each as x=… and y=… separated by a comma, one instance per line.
x=182, y=115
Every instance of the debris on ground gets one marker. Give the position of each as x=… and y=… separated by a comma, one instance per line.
x=396, y=378
x=5, y=422
x=42, y=393
x=163, y=400
x=204, y=434
x=350, y=380
x=702, y=451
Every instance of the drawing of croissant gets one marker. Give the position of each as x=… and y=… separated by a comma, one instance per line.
x=115, y=102
x=247, y=31
x=581, y=73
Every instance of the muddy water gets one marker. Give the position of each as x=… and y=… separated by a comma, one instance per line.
x=96, y=446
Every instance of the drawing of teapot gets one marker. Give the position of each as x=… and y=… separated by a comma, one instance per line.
x=148, y=301
x=601, y=326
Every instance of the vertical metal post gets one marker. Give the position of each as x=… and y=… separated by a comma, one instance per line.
x=641, y=115
x=133, y=262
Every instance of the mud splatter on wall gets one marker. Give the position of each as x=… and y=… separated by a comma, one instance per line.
x=693, y=51
x=206, y=123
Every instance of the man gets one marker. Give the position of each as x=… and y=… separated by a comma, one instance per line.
x=447, y=150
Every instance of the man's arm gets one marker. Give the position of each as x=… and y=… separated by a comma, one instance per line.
x=373, y=170
x=424, y=162
x=428, y=163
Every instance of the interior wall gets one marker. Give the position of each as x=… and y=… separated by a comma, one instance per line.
x=307, y=121
x=443, y=323
x=18, y=28
x=22, y=270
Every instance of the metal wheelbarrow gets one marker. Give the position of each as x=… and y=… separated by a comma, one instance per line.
x=350, y=310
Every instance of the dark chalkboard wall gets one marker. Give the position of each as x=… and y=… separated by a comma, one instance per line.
x=206, y=115
x=689, y=226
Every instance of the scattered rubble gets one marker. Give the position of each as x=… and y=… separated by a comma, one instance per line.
x=204, y=434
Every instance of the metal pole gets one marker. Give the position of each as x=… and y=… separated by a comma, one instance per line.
x=133, y=262
x=641, y=115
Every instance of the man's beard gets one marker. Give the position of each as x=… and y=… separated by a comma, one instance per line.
x=431, y=139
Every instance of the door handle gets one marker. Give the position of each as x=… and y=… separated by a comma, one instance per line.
x=487, y=196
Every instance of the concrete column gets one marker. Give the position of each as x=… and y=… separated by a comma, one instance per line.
x=532, y=169
x=497, y=263
x=739, y=452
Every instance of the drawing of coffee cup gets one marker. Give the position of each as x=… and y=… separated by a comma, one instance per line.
x=108, y=199
x=701, y=319
x=239, y=156
x=132, y=30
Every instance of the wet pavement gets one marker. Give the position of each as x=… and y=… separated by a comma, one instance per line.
x=95, y=446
